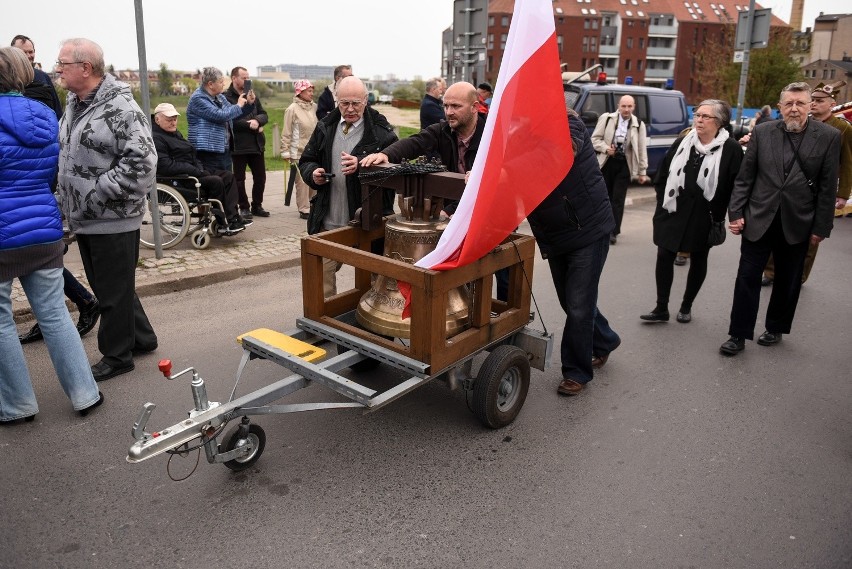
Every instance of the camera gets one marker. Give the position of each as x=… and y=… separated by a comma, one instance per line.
x=619, y=146
x=328, y=176
x=247, y=86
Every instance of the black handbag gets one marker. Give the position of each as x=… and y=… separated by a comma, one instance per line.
x=717, y=232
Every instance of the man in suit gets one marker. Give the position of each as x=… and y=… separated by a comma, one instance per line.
x=783, y=200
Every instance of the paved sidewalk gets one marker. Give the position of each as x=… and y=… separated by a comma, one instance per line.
x=269, y=244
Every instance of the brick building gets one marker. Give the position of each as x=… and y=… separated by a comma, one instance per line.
x=651, y=42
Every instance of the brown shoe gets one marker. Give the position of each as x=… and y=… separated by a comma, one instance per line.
x=599, y=361
x=569, y=387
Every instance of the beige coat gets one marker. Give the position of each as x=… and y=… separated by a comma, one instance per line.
x=300, y=120
x=636, y=147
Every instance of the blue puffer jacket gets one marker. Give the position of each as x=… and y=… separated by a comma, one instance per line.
x=578, y=211
x=29, y=149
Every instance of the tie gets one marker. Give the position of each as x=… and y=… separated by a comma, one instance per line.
x=346, y=126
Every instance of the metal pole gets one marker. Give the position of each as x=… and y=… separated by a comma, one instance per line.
x=746, y=55
x=146, y=108
x=468, y=11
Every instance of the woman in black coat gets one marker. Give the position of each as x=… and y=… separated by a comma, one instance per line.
x=693, y=189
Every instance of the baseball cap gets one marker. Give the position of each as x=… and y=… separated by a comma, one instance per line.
x=167, y=109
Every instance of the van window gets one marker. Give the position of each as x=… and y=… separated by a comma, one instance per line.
x=641, y=109
x=596, y=103
x=668, y=110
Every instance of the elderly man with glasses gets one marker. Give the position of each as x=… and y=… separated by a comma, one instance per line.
x=329, y=163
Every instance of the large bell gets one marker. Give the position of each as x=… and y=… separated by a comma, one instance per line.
x=408, y=240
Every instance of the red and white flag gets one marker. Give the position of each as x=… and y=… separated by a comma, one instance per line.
x=525, y=149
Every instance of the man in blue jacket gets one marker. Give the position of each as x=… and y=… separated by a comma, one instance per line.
x=572, y=226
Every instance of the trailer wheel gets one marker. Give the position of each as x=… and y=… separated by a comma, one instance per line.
x=501, y=386
x=258, y=440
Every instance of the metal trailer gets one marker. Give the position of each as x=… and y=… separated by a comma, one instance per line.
x=498, y=389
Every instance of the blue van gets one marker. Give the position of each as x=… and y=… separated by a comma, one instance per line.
x=663, y=111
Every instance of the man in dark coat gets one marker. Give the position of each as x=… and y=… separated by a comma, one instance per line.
x=572, y=226
x=783, y=199
x=329, y=163
x=41, y=88
x=432, y=108
x=328, y=99
x=176, y=157
x=248, y=147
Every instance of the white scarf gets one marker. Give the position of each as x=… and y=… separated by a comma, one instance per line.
x=708, y=176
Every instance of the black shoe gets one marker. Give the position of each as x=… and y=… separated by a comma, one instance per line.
x=680, y=260
x=244, y=221
x=259, y=211
x=84, y=412
x=613, y=239
x=89, y=315
x=245, y=214
x=769, y=338
x=765, y=281
x=303, y=215
x=18, y=421
x=103, y=371
x=654, y=316
x=733, y=346
x=684, y=317
x=235, y=226
x=34, y=335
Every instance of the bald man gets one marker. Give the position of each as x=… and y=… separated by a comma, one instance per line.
x=620, y=140
x=329, y=163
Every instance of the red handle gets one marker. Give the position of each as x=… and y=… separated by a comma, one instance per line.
x=165, y=367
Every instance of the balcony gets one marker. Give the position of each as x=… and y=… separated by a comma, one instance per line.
x=667, y=52
x=658, y=73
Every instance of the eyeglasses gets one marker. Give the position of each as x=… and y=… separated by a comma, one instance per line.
x=703, y=117
x=353, y=104
x=61, y=64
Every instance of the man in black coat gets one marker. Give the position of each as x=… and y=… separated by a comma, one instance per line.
x=783, y=199
x=432, y=108
x=176, y=157
x=329, y=163
x=248, y=147
x=572, y=226
x=328, y=99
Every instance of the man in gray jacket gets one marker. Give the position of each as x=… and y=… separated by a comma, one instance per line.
x=107, y=165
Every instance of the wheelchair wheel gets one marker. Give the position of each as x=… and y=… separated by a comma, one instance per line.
x=200, y=239
x=173, y=215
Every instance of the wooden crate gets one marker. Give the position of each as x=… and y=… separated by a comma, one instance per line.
x=428, y=343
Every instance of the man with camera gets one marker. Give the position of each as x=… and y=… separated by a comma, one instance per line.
x=329, y=163
x=620, y=140
x=248, y=145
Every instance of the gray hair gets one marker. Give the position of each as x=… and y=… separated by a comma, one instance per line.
x=87, y=50
x=797, y=87
x=721, y=110
x=16, y=71
x=432, y=83
x=211, y=74
x=338, y=71
x=766, y=110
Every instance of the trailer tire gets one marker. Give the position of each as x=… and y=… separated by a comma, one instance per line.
x=501, y=386
x=257, y=437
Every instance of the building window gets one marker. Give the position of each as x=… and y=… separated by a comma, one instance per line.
x=627, y=65
x=607, y=21
x=825, y=73
x=595, y=46
x=832, y=74
x=585, y=44
x=490, y=41
x=595, y=24
x=641, y=43
x=629, y=43
x=586, y=24
x=503, y=38
x=490, y=21
x=560, y=43
x=504, y=21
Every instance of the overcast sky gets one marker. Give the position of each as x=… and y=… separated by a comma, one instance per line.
x=378, y=37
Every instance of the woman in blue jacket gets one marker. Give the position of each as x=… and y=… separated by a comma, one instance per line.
x=31, y=248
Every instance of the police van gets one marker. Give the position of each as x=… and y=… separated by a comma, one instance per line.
x=663, y=111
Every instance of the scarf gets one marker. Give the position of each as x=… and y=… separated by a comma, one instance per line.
x=708, y=176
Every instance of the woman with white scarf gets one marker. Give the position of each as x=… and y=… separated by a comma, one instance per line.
x=693, y=189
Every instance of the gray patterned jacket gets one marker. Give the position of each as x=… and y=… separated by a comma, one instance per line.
x=107, y=161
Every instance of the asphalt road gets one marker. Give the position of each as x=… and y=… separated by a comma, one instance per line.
x=675, y=456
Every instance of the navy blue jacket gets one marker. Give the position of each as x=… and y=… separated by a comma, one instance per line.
x=431, y=111
x=577, y=212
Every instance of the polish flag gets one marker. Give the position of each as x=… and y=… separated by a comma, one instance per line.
x=525, y=149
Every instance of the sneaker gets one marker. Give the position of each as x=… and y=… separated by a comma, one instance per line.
x=236, y=226
x=259, y=211
x=246, y=214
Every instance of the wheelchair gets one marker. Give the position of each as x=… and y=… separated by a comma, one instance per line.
x=183, y=210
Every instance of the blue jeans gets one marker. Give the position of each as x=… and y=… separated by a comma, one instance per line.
x=44, y=292
x=587, y=333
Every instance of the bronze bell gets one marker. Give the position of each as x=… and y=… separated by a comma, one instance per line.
x=409, y=240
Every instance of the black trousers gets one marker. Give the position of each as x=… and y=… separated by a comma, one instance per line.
x=258, y=175
x=789, y=264
x=220, y=185
x=110, y=264
x=616, y=174
x=664, y=273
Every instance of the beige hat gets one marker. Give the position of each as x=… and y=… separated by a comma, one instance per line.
x=167, y=109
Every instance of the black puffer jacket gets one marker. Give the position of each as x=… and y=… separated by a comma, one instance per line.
x=175, y=154
x=246, y=140
x=378, y=135
x=437, y=137
x=578, y=211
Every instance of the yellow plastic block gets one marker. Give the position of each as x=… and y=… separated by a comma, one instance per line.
x=283, y=342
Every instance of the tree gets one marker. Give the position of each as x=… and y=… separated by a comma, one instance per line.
x=770, y=70
x=406, y=94
x=165, y=80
